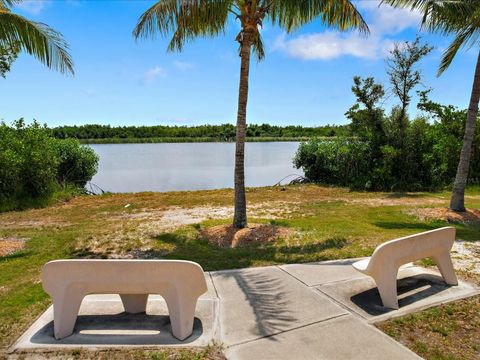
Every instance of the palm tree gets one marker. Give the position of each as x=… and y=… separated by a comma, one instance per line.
x=189, y=19
x=462, y=19
x=37, y=39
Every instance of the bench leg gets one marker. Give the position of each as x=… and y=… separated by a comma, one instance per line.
x=444, y=264
x=181, y=310
x=387, y=287
x=65, y=311
x=134, y=304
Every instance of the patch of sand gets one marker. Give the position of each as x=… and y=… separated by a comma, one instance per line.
x=466, y=256
x=10, y=245
x=135, y=230
x=395, y=201
x=228, y=236
x=28, y=224
x=444, y=214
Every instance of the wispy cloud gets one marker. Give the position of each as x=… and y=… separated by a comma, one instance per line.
x=33, y=6
x=386, y=22
x=152, y=74
x=183, y=65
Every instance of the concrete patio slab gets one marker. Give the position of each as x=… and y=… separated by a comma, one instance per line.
x=345, y=337
x=418, y=288
x=102, y=323
x=311, y=311
x=318, y=273
x=324, y=272
x=261, y=302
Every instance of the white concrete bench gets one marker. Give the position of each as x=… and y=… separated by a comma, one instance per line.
x=383, y=265
x=180, y=283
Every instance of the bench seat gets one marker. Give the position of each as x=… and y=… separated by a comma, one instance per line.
x=387, y=258
x=179, y=282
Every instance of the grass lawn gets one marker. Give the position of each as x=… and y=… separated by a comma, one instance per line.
x=323, y=223
x=446, y=332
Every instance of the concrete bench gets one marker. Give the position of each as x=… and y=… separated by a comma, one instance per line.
x=180, y=283
x=383, y=265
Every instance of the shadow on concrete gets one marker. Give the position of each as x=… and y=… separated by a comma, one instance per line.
x=267, y=296
x=118, y=329
x=409, y=290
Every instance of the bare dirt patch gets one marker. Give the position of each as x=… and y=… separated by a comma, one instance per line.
x=229, y=236
x=466, y=256
x=10, y=245
x=470, y=216
x=391, y=200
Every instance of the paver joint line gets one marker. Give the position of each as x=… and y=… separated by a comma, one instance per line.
x=286, y=331
x=344, y=307
x=293, y=276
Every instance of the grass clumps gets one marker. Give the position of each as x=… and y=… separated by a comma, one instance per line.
x=450, y=331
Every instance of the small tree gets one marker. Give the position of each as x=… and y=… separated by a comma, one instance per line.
x=405, y=76
x=367, y=122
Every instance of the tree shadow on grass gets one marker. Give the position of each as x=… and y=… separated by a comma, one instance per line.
x=16, y=255
x=213, y=257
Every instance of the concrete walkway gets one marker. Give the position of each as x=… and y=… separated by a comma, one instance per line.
x=319, y=310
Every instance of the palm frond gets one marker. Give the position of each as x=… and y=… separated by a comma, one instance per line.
x=8, y=3
x=464, y=38
x=340, y=14
x=258, y=47
x=186, y=19
x=37, y=39
x=458, y=17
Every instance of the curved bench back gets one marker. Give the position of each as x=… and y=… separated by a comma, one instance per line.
x=411, y=248
x=123, y=276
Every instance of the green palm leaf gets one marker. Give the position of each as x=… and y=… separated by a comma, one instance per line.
x=35, y=38
x=458, y=17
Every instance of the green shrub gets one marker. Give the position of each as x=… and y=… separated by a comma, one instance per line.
x=77, y=164
x=342, y=161
x=34, y=165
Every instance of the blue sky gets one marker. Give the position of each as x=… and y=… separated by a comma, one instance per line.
x=304, y=80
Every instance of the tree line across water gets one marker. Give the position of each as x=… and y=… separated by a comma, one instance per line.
x=201, y=133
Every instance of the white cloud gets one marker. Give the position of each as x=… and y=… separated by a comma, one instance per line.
x=385, y=22
x=33, y=6
x=327, y=45
x=183, y=65
x=387, y=19
x=151, y=75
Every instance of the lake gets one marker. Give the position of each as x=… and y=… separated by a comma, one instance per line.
x=189, y=166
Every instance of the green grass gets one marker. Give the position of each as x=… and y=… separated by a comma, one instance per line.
x=325, y=224
x=447, y=332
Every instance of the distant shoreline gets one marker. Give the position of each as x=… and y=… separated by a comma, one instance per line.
x=188, y=140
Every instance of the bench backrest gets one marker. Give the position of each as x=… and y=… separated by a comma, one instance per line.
x=411, y=248
x=123, y=276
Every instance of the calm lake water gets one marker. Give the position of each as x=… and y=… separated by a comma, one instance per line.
x=189, y=166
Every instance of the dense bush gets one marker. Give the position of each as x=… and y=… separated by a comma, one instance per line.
x=426, y=158
x=392, y=152
x=76, y=163
x=33, y=164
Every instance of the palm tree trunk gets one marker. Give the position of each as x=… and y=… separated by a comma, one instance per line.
x=240, y=213
x=457, y=202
